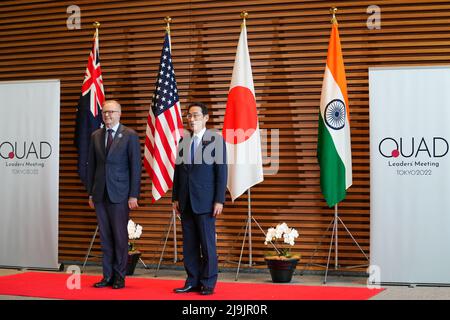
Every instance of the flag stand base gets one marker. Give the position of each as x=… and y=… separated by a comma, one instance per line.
x=248, y=230
x=334, y=236
x=173, y=223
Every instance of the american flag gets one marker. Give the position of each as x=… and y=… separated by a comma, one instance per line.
x=164, y=126
x=89, y=116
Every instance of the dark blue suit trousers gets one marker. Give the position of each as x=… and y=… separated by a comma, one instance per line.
x=112, y=220
x=199, y=247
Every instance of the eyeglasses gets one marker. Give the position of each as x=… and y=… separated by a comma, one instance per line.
x=109, y=113
x=196, y=116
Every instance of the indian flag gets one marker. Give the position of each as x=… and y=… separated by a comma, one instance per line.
x=334, y=147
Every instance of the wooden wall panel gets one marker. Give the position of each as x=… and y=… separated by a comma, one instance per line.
x=288, y=43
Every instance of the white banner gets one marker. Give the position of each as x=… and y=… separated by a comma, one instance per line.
x=410, y=174
x=29, y=171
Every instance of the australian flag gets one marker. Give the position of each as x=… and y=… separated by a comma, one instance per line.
x=89, y=110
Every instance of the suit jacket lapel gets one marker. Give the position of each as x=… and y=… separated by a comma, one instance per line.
x=116, y=139
x=190, y=165
x=102, y=143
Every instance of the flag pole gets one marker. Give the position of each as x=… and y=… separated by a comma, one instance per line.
x=244, y=16
x=168, y=20
x=337, y=219
x=249, y=221
x=333, y=21
x=96, y=25
x=336, y=236
x=333, y=200
x=173, y=219
x=242, y=53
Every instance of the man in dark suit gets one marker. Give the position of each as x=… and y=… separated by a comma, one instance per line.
x=114, y=178
x=198, y=196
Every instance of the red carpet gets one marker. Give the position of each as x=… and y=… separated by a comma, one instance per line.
x=53, y=285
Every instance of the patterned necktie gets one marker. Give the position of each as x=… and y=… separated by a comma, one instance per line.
x=193, y=148
x=109, y=141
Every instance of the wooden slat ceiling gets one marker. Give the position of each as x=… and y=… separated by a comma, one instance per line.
x=288, y=43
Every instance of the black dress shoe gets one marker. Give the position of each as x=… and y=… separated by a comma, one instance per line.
x=206, y=291
x=105, y=282
x=186, y=289
x=119, y=283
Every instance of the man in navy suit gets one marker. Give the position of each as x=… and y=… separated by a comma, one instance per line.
x=114, y=178
x=199, y=185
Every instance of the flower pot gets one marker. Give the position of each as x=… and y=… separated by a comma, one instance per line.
x=133, y=258
x=281, y=270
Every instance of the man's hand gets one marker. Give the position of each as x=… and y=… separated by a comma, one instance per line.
x=132, y=203
x=176, y=207
x=218, y=207
x=91, y=203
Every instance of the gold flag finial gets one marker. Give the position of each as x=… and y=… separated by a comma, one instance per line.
x=96, y=25
x=244, y=16
x=168, y=20
x=333, y=12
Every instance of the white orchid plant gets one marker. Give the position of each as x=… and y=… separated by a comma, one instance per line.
x=134, y=232
x=282, y=231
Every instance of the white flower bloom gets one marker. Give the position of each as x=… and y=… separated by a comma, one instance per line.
x=131, y=226
x=138, y=231
x=282, y=231
x=288, y=239
x=294, y=233
x=134, y=230
x=283, y=227
x=270, y=235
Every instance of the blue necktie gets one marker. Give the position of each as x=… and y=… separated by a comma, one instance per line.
x=193, y=148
